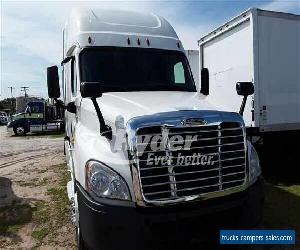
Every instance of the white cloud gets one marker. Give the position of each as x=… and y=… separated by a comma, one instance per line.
x=31, y=38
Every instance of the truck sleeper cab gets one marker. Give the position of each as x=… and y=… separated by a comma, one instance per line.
x=148, y=155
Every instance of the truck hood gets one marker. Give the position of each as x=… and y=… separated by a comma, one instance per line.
x=17, y=116
x=117, y=109
x=126, y=105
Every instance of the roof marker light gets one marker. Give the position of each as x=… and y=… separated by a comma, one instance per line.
x=128, y=41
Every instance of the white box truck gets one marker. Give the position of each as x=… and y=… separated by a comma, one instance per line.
x=262, y=47
x=148, y=155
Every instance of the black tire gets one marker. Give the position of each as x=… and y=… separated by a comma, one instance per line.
x=20, y=130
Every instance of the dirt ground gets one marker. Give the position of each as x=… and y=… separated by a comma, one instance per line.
x=34, y=209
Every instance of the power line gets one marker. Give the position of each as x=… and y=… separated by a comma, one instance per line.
x=24, y=89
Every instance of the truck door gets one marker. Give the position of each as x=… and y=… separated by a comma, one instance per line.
x=35, y=116
x=70, y=91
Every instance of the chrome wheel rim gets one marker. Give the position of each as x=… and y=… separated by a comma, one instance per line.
x=20, y=130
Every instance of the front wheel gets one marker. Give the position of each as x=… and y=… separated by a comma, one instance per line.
x=20, y=130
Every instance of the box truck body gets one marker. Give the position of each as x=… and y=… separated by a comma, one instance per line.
x=262, y=47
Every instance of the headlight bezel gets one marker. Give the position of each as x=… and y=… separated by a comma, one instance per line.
x=91, y=171
x=253, y=164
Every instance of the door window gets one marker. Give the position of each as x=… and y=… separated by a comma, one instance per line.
x=73, y=78
x=179, y=73
x=35, y=107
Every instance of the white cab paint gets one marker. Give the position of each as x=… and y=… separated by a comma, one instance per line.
x=114, y=27
x=193, y=57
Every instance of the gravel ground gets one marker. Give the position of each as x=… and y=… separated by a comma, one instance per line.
x=33, y=201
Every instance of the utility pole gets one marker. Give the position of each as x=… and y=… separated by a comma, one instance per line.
x=12, y=100
x=25, y=91
x=11, y=91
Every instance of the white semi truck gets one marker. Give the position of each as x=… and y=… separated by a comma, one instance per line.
x=262, y=47
x=147, y=153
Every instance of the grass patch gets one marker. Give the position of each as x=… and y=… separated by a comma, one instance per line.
x=13, y=217
x=13, y=229
x=41, y=217
x=25, y=184
x=40, y=212
x=51, y=215
x=60, y=135
x=33, y=182
x=40, y=234
x=282, y=207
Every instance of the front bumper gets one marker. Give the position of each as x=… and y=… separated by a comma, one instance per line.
x=126, y=225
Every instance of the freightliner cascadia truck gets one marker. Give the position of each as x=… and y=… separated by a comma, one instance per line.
x=148, y=155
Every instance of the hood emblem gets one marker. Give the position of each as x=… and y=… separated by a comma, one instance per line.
x=193, y=122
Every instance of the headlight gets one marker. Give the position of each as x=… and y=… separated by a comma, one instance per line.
x=254, y=165
x=104, y=182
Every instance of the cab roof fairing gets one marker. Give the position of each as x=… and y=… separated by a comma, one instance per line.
x=114, y=27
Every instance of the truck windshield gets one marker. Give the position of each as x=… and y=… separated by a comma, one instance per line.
x=136, y=69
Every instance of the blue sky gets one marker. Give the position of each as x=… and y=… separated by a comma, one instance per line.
x=31, y=31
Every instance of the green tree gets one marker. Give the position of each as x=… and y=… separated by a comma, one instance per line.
x=8, y=104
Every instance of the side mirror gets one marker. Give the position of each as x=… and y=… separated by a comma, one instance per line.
x=244, y=88
x=71, y=107
x=28, y=110
x=204, y=81
x=94, y=90
x=91, y=89
x=53, y=82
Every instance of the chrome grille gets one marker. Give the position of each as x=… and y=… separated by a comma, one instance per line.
x=223, y=142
